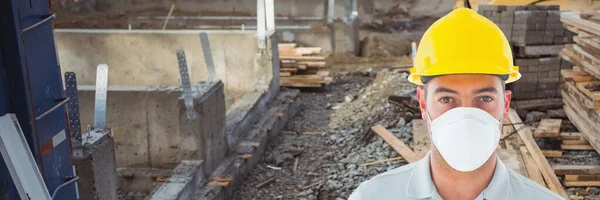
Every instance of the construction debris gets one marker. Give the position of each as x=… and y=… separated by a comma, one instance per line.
x=302, y=66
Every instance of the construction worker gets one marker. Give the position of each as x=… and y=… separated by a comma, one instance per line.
x=462, y=65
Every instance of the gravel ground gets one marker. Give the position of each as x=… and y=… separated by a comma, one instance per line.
x=328, y=161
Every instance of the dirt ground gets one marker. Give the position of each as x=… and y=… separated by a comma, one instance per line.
x=330, y=138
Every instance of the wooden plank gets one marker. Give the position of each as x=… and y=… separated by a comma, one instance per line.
x=552, y=153
x=421, y=142
x=577, y=170
x=536, y=153
x=513, y=160
x=576, y=147
x=548, y=128
x=288, y=69
x=287, y=45
x=285, y=74
x=323, y=73
x=396, y=144
x=573, y=19
x=507, y=130
x=570, y=136
x=582, y=183
x=287, y=61
x=314, y=58
x=309, y=50
x=575, y=142
x=289, y=52
x=582, y=177
x=590, y=89
x=317, y=64
x=570, y=55
x=570, y=75
x=586, y=126
x=574, y=92
x=532, y=168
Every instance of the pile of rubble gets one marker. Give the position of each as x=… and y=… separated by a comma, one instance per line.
x=353, y=144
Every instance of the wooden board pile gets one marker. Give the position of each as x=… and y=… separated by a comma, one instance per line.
x=302, y=66
x=581, y=87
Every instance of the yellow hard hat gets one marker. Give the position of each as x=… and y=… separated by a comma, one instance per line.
x=463, y=42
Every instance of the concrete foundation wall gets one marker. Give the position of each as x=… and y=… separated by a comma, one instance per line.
x=307, y=8
x=144, y=124
x=147, y=58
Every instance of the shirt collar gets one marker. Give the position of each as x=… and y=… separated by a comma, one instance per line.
x=420, y=185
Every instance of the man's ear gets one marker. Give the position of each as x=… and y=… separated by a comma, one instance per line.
x=421, y=96
x=507, y=98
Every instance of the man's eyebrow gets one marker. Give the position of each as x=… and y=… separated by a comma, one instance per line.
x=443, y=89
x=487, y=89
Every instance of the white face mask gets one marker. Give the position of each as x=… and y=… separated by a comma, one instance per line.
x=465, y=137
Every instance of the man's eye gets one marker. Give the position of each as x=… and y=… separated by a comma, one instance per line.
x=486, y=99
x=445, y=100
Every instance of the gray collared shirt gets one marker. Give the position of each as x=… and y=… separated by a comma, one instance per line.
x=413, y=181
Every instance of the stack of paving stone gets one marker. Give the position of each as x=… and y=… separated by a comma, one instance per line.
x=537, y=36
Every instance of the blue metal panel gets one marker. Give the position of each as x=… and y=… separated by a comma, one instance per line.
x=34, y=86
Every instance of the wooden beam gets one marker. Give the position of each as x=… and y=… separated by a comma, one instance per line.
x=583, y=120
x=548, y=128
x=536, y=153
x=381, y=161
x=582, y=183
x=575, y=142
x=421, y=142
x=577, y=147
x=532, y=169
x=569, y=177
x=315, y=58
x=577, y=170
x=287, y=45
x=570, y=136
x=552, y=153
x=396, y=144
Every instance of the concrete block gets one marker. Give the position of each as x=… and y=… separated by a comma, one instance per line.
x=186, y=179
x=543, y=74
x=549, y=33
x=483, y=7
x=549, y=60
x=531, y=33
x=520, y=27
x=532, y=7
x=489, y=13
x=559, y=32
x=519, y=40
x=521, y=62
x=520, y=8
x=554, y=68
x=556, y=26
x=548, y=40
x=559, y=40
x=96, y=168
x=553, y=13
x=565, y=64
x=504, y=14
x=530, y=95
x=507, y=20
x=534, y=68
x=522, y=14
x=496, y=15
x=554, y=74
x=519, y=32
x=553, y=7
x=539, y=33
x=534, y=61
x=540, y=26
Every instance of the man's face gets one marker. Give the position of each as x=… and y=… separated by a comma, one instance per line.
x=443, y=93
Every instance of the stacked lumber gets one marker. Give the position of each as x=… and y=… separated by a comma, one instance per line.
x=579, y=175
x=302, y=66
x=581, y=87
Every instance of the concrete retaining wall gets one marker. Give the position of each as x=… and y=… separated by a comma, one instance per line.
x=147, y=58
